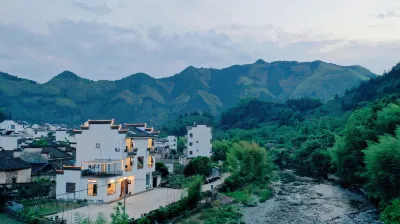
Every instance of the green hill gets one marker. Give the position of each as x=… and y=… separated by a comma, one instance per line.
x=68, y=98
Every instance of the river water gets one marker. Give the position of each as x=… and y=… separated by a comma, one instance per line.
x=305, y=200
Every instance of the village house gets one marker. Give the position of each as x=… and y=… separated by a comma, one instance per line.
x=14, y=170
x=199, y=139
x=111, y=161
x=9, y=140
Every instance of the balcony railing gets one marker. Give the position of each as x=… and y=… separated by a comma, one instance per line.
x=111, y=173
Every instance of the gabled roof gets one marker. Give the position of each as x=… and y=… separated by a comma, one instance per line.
x=7, y=164
x=42, y=169
x=6, y=154
x=136, y=132
x=55, y=153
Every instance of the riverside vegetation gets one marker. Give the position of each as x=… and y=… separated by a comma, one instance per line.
x=354, y=137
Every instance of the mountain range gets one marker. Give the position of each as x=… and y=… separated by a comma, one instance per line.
x=70, y=99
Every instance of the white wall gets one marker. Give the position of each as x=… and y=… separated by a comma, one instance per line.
x=2, y=177
x=200, y=142
x=24, y=176
x=61, y=135
x=108, y=138
x=9, y=142
x=172, y=142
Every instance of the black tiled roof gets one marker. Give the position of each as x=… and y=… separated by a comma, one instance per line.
x=6, y=154
x=7, y=164
x=55, y=153
x=136, y=132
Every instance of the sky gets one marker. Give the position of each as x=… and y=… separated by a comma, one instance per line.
x=111, y=39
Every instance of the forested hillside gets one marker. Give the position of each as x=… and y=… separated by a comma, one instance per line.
x=68, y=98
x=354, y=137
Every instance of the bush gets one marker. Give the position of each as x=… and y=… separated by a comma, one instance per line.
x=221, y=215
x=382, y=161
x=198, y=166
x=391, y=214
x=162, y=168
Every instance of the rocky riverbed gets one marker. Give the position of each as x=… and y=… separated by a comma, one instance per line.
x=305, y=200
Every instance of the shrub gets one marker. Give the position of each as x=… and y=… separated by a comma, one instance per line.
x=391, y=214
x=162, y=168
x=198, y=166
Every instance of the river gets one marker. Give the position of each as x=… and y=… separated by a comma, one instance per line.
x=305, y=200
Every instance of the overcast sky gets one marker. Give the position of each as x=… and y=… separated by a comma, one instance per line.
x=111, y=39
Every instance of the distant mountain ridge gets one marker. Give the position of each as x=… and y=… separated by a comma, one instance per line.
x=68, y=98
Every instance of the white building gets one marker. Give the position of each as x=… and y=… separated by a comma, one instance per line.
x=9, y=142
x=14, y=170
x=10, y=125
x=173, y=142
x=111, y=161
x=199, y=139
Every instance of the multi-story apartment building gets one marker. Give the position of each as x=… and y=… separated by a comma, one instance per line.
x=199, y=139
x=111, y=161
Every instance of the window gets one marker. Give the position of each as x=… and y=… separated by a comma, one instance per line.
x=14, y=180
x=12, y=126
x=190, y=152
x=92, y=190
x=191, y=135
x=97, y=145
x=150, y=143
x=140, y=160
x=110, y=188
x=149, y=161
x=70, y=187
x=197, y=142
x=190, y=143
x=175, y=140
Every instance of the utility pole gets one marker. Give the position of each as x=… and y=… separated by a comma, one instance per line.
x=126, y=185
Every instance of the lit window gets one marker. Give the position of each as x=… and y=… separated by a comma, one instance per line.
x=149, y=161
x=92, y=189
x=111, y=188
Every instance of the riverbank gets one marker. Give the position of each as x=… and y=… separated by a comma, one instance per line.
x=300, y=199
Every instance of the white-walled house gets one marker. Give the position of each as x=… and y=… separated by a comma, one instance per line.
x=9, y=142
x=10, y=125
x=111, y=161
x=14, y=170
x=199, y=139
x=61, y=135
x=172, y=142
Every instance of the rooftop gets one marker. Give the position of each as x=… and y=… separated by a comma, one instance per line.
x=102, y=161
x=7, y=164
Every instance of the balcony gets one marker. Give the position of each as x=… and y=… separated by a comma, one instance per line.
x=111, y=173
x=132, y=152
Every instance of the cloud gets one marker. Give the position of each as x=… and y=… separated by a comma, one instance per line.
x=98, y=50
x=388, y=14
x=98, y=10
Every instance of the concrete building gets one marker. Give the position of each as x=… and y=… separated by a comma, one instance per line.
x=10, y=125
x=111, y=161
x=172, y=142
x=14, y=170
x=199, y=139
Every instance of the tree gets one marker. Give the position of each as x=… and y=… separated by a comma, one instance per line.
x=118, y=217
x=391, y=214
x=219, y=149
x=382, y=172
x=162, y=168
x=194, y=192
x=247, y=162
x=181, y=144
x=198, y=166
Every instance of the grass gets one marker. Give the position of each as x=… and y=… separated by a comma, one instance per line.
x=248, y=194
x=217, y=215
x=49, y=207
x=4, y=218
